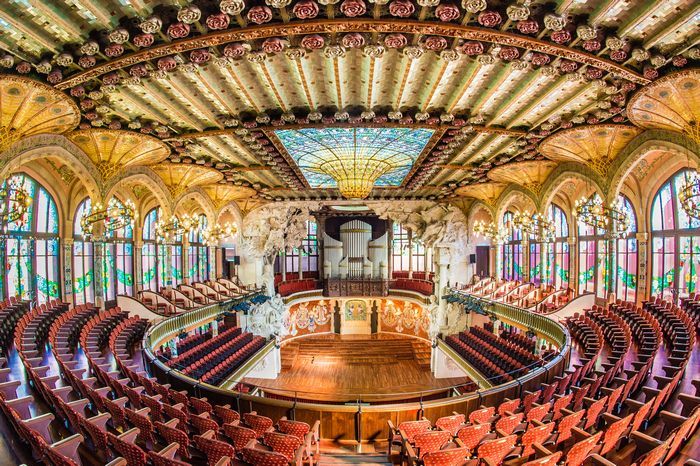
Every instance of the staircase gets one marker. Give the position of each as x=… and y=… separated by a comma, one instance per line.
x=422, y=354
x=384, y=350
x=356, y=459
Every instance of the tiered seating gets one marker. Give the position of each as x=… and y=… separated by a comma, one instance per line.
x=296, y=286
x=187, y=358
x=525, y=357
x=424, y=287
x=397, y=274
x=603, y=416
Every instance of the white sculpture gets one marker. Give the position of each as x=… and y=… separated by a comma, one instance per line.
x=433, y=311
x=273, y=228
x=270, y=318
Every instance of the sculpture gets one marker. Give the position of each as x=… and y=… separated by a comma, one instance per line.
x=436, y=319
x=270, y=319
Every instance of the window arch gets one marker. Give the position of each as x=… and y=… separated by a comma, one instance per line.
x=593, y=259
x=675, y=243
x=117, y=267
x=31, y=246
x=83, y=260
x=556, y=269
x=511, y=250
x=626, y=276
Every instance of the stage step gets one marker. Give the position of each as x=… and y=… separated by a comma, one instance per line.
x=354, y=459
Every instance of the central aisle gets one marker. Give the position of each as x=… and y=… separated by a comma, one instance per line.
x=340, y=367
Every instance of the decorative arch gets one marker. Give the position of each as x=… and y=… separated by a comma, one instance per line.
x=566, y=172
x=234, y=210
x=148, y=178
x=51, y=145
x=640, y=146
x=474, y=209
x=198, y=195
x=509, y=196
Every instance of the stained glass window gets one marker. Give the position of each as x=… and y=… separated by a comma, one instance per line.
x=309, y=249
x=626, y=282
x=556, y=267
x=32, y=248
x=511, y=250
x=401, y=253
x=149, y=259
x=118, y=273
x=317, y=151
x=197, y=253
x=593, y=260
x=83, y=260
x=675, y=244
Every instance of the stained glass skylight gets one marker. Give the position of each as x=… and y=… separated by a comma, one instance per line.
x=333, y=157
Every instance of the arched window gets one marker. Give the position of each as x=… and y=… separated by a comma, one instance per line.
x=626, y=284
x=176, y=269
x=409, y=253
x=198, y=257
x=118, y=272
x=309, y=249
x=83, y=260
x=152, y=254
x=675, y=243
x=511, y=250
x=592, y=257
x=31, y=247
x=556, y=267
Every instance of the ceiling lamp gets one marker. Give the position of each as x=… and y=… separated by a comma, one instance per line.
x=611, y=220
x=114, y=217
x=536, y=226
x=689, y=194
x=490, y=231
x=14, y=203
x=214, y=234
x=29, y=107
x=168, y=231
x=672, y=103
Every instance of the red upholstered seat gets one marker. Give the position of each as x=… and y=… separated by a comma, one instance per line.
x=239, y=435
x=413, y=428
x=496, y=451
x=549, y=460
x=430, y=441
x=226, y=414
x=260, y=424
x=213, y=448
x=283, y=444
x=297, y=428
x=580, y=451
x=263, y=458
x=451, y=424
x=449, y=457
x=481, y=416
x=472, y=435
x=174, y=435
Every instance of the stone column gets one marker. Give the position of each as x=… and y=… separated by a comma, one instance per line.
x=185, y=259
x=213, y=265
x=573, y=264
x=68, y=270
x=525, y=266
x=642, y=266
x=98, y=249
x=138, y=267
x=410, y=254
x=492, y=260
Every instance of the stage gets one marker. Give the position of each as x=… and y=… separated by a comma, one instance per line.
x=338, y=368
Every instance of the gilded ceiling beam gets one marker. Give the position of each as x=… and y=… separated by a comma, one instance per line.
x=383, y=26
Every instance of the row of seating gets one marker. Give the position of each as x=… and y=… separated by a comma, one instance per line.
x=494, y=373
x=424, y=287
x=297, y=286
x=524, y=357
x=182, y=361
x=396, y=274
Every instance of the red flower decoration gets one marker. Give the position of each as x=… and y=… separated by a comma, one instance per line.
x=447, y=12
x=353, y=8
x=528, y=26
x=594, y=73
x=489, y=18
x=561, y=37
x=273, y=45
x=115, y=124
x=306, y=9
x=139, y=71
x=353, y=40
x=401, y=8
x=143, y=40
x=200, y=56
x=592, y=45
x=473, y=48
x=679, y=61
x=55, y=77
x=395, y=41
x=508, y=53
x=540, y=59
x=178, y=30
x=618, y=55
x=87, y=61
x=218, y=21
x=114, y=50
x=650, y=72
x=78, y=91
x=23, y=67
x=109, y=79
x=568, y=66
x=259, y=14
x=235, y=50
x=435, y=43
x=313, y=42
x=167, y=64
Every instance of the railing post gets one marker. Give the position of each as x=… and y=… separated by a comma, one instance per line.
x=358, y=426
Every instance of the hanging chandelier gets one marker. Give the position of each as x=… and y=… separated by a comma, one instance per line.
x=537, y=226
x=215, y=233
x=611, y=220
x=14, y=203
x=689, y=194
x=168, y=231
x=490, y=231
x=114, y=216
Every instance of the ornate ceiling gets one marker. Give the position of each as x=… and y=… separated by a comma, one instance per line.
x=217, y=80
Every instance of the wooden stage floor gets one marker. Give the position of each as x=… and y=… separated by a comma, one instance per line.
x=339, y=367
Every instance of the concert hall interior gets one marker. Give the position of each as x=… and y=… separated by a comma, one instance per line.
x=349, y=232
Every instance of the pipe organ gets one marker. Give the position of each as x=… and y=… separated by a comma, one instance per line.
x=356, y=255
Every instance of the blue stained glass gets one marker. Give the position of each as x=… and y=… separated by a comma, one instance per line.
x=310, y=148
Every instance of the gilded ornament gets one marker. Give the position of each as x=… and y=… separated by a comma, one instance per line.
x=640, y=54
x=367, y=115
x=341, y=116
x=486, y=59
x=422, y=116
x=519, y=65
x=518, y=12
x=447, y=118
x=428, y=3
x=278, y=3
x=694, y=53
x=586, y=32
x=44, y=67
x=257, y=57
x=614, y=43
x=151, y=25
x=395, y=115
x=334, y=51
x=328, y=2
x=379, y=2
x=374, y=51
x=64, y=59
x=658, y=61
x=8, y=61
x=413, y=52
x=449, y=55
x=119, y=36
x=90, y=48
x=295, y=53
x=232, y=7
x=288, y=117
x=474, y=6
x=549, y=70
x=263, y=119
x=189, y=14
x=554, y=22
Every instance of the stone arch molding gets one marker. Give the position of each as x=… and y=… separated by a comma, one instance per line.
x=475, y=208
x=47, y=145
x=564, y=173
x=234, y=210
x=636, y=150
x=511, y=194
x=150, y=179
x=201, y=197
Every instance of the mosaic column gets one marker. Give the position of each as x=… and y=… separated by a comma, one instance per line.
x=525, y=266
x=213, y=264
x=138, y=267
x=68, y=270
x=573, y=264
x=185, y=259
x=98, y=267
x=642, y=268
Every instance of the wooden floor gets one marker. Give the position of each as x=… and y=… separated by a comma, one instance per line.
x=337, y=368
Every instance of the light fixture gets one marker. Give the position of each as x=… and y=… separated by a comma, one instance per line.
x=536, y=226
x=14, y=202
x=215, y=233
x=168, y=231
x=490, y=231
x=611, y=220
x=689, y=194
x=115, y=216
